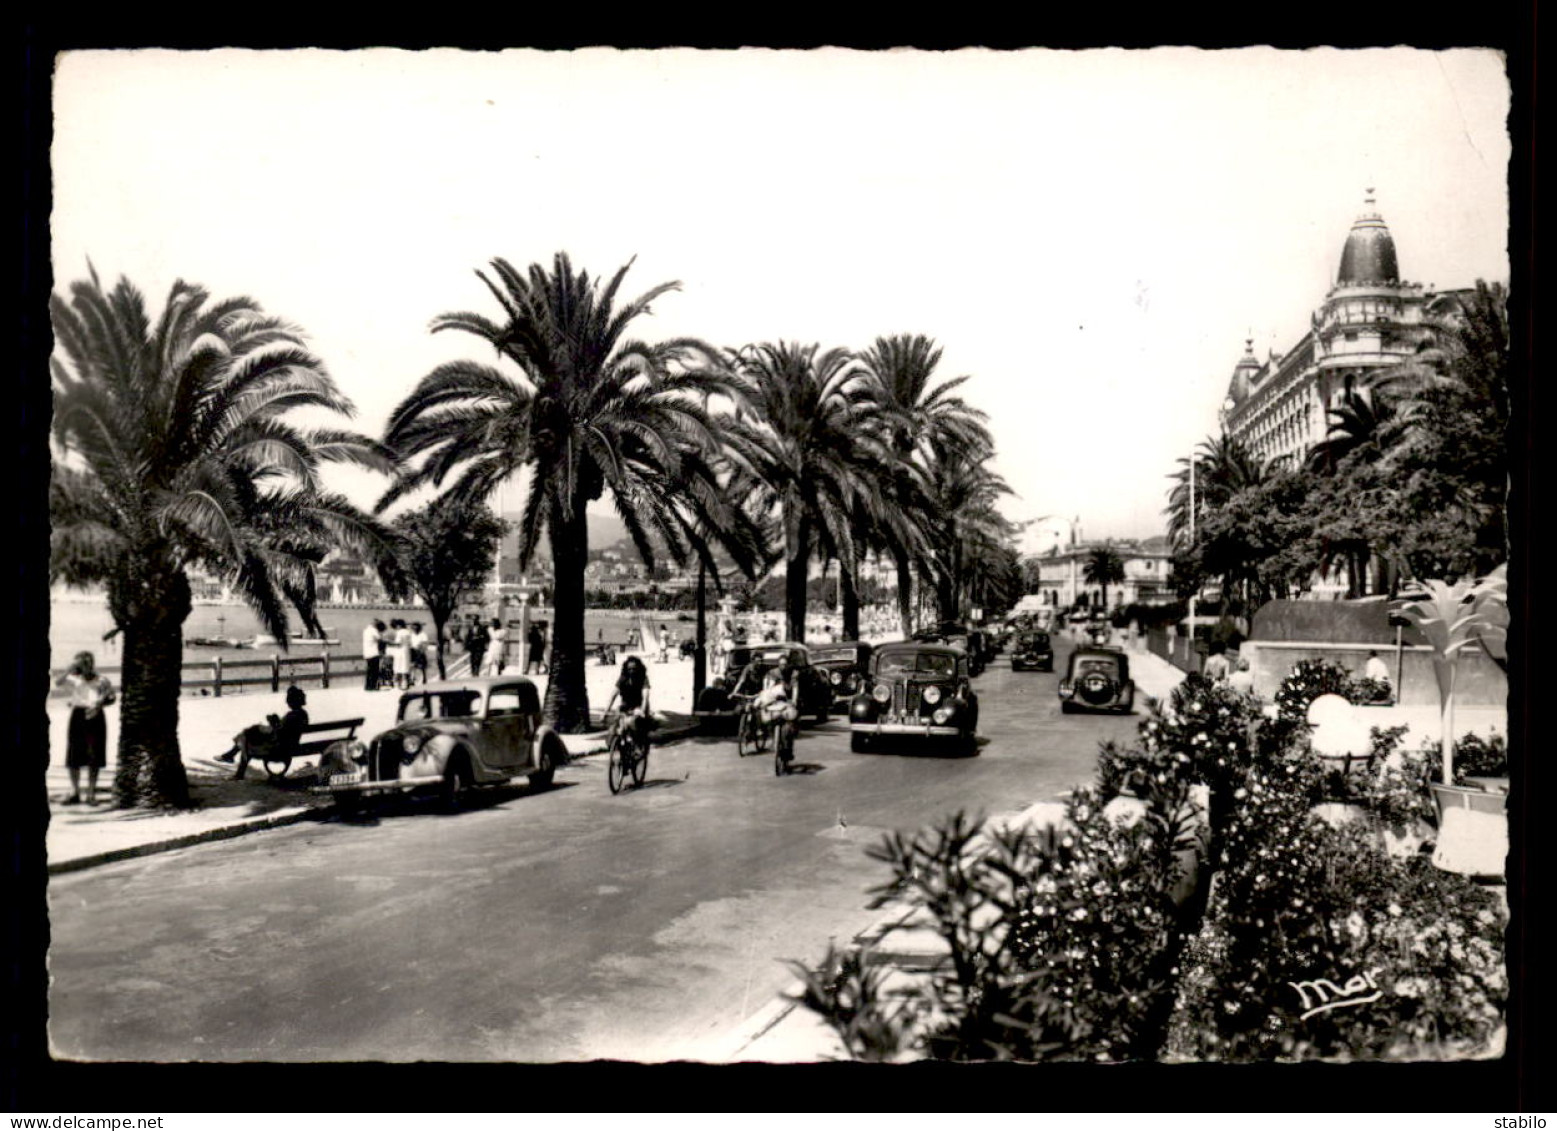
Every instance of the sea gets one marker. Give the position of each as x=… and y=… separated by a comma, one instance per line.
x=80, y=623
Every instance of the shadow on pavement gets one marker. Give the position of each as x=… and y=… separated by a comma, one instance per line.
x=371, y=810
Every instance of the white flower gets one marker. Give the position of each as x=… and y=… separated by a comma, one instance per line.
x=1394, y=909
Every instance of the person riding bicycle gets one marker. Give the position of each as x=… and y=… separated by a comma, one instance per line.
x=632, y=690
x=775, y=703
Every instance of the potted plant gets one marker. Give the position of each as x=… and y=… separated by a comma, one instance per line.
x=1473, y=824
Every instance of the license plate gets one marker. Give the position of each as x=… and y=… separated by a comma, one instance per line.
x=348, y=778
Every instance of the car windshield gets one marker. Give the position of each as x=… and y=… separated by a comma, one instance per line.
x=1033, y=639
x=771, y=656
x=1096, y=664
x=832, y=655
x=916, y=663
x=461, y=704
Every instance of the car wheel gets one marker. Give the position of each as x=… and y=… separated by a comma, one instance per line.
x=456, y=779
x=542, y=777
x=1067, y=707
x=822, y=715
x=860, y=743
x=968, y=744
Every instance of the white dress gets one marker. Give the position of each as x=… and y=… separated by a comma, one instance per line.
x=400, y=651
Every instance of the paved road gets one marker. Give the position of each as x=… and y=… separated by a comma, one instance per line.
x=568, y=924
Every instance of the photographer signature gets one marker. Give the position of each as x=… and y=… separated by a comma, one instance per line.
x=1321, y=994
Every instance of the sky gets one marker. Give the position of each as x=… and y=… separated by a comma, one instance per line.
x=1089, y=235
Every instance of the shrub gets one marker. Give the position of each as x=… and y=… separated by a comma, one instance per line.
x=1296, y=901
x=1480, y=757
x=1059, y=943
x=1307, y=681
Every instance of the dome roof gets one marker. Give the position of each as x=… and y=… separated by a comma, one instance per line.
x=1369, y=254
x=1243, y=373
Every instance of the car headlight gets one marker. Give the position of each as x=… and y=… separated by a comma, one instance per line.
x=932, y=695
x=411, y=743
x=881, y=693
x=837, y=678
x=942, y=715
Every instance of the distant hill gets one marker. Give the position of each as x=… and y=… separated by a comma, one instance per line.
x=604, y=530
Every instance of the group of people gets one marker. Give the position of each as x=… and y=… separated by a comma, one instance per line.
x=395, y=655
x=486, y=643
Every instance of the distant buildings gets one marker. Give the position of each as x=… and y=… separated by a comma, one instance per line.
x=1369, y=321
x=1148, y=568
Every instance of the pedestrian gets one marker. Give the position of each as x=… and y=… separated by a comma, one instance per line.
x=370, y=650
x=477, y=639
x=1217, y=668
x=419, y=645
x=277, y=737
x=535, y=649
x=400, y=653
x=1242, y=679
x=86, y=742
x=385, y=672
x=499, y=651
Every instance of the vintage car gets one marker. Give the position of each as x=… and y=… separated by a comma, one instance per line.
x=845, y=664
x=1032, y=651
x=742, y=673
x=916, y=689
x=1097, y=679
x=955, y=635
x=448, y=737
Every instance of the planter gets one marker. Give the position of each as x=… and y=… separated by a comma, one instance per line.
x=1488, y=784
x=1472, y=831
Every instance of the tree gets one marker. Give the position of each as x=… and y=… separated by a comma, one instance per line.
x=586, y=413
x=926, y=421
x=808, y=444
x=1223, y=466
x=448, y=549
x=963, y=492
x=1104, y=568
x=174, y=450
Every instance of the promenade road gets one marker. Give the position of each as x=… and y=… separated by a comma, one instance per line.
x=566, y=924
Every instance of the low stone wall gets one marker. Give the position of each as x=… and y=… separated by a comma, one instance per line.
x=1480, y=682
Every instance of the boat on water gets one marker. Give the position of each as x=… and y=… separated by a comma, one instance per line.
x=266, y=640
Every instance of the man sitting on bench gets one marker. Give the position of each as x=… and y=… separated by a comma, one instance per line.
x=277, y=738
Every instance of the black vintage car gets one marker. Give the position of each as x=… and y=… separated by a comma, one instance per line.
x=845, y=665
x=1032, y=651
x=971, y=640
x=1098, y=679
x=916, y=690
x=741, y=673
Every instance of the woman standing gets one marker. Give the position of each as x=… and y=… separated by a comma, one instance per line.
x=400, y=653
x=87, y=737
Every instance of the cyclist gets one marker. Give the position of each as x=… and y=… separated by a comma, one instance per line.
x=775, y=703
x=632, y=689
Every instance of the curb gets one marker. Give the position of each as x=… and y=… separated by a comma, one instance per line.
x=221, y=832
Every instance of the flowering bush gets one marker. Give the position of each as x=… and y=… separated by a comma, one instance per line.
x=1059, y=943
x=1309, y=679
x=1410, y=957
x=1478, y=757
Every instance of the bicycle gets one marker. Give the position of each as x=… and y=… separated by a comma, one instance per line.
x=753, y=735
x=628, y=755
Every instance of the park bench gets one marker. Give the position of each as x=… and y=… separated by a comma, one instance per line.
x=277, y=762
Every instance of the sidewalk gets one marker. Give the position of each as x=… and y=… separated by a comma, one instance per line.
x=81, y=836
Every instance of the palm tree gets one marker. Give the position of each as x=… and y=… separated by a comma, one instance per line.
x=587, y=413
x=807, y=442
x=1223, y=467
x=926, y=421
x=1104, y=568
x=174, y=451
x=1362, y=428
x=963, y=492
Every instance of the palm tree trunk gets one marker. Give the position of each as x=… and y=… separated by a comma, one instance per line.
x=905, y=592
x=567, y=697
x=438, y=623
x=700, y=657
x=797, y=557
x=151, y=612
x=849, y=594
